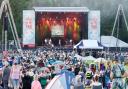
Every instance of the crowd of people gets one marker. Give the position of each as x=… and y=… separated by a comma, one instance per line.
x=32, y=70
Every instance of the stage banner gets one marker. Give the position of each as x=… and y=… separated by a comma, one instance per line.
x=29, y=28
x=94, y=25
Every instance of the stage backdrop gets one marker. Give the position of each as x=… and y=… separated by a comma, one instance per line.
x=29, y=28
x=94, y=25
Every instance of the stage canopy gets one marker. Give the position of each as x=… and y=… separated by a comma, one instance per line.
x=111, y=41
x=61, y=9
x=88, y=44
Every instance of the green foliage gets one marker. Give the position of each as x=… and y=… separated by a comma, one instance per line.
x=17, y=7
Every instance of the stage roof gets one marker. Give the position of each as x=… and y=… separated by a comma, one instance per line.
x=61, y=9
x=111, y=41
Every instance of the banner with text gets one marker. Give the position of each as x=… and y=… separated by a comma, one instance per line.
x=94, y=25
x=29, y=28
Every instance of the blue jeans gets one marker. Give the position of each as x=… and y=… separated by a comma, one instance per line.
x=15, y=82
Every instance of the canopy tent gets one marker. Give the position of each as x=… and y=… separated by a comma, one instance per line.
x=88, y=44
x=111, y=41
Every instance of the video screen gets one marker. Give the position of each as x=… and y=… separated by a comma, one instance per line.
x=57, y=31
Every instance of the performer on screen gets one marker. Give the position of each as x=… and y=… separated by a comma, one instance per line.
x=70, y=41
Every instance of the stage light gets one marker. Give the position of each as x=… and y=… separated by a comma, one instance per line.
x=67, y=18
x=47, y=21
x=75, y=18
x=50, y=19
x=43, y=19
x=62, y=22
x=54, y=22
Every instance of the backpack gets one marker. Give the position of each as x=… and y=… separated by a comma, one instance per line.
x=122, y=70
x=118, y=72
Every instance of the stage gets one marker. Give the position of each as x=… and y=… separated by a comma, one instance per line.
x=61, y=25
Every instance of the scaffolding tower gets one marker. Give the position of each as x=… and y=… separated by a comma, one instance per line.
x=119, y=16
x=7, y=16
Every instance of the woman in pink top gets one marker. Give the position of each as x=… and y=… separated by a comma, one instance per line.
x=15, y=75
x=36, y=84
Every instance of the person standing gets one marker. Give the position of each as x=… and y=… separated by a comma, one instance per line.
x=36, y=84
x=27, y=80
x=117, y=75
x=6, y=74
x=15, y=75
x=77, y=83
x=96, y=84
x=1, y=71
x=60, y=42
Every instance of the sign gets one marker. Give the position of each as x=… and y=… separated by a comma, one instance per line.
x=94, y=25
x=29, y=27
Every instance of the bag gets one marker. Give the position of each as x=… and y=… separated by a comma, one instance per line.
x=122, y=70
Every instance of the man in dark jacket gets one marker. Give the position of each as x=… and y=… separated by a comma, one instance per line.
x=6, y=74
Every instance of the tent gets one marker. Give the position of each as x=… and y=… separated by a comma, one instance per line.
x=111, y=41
x=58, y=82
x=62, y=81
x=88, y=44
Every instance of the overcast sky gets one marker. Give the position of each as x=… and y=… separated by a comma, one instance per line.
x=107, y=7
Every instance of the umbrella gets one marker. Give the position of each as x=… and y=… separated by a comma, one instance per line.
x=89, y=59
x=101, y=60
x=58, y=62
